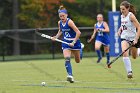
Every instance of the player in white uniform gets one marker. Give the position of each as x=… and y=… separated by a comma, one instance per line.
x=128, y=33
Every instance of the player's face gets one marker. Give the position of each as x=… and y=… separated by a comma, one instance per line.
x=63, y=16
x=124, y=10
x=99, y=18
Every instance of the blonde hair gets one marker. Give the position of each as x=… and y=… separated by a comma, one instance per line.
x=61, y=7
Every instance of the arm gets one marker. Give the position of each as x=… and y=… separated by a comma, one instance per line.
x=93, y=35
x=78, y=33
x=137, y=25
x=58, y=33
x=120, y=31
x=106, y=27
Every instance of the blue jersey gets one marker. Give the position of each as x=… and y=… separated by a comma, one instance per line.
x=68, y=36
x=102, y=37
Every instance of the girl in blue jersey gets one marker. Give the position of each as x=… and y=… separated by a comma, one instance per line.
x=71, y=35
x=101, y=31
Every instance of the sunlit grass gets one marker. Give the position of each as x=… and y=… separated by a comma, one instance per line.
x=90, y=77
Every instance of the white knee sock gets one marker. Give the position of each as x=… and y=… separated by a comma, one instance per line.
x=138, y=51
x=127, y=64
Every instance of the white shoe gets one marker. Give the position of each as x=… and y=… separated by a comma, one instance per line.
x=82, y=45
x=130, y=75
x=70, y=79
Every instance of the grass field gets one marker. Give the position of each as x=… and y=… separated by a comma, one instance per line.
x=90, y=77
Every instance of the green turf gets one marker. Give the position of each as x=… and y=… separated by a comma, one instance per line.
x=90, y=77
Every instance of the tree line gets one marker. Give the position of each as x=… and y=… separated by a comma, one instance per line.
x=23, y=14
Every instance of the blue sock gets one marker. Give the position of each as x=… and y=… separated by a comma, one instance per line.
x=81, y=53
x=68, y=66
x=108, y=57
x=99, y=54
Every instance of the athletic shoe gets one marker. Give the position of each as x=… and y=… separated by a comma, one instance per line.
x=99, y=59
x=109, y=66
x=82, y=45
x=70, y=79
x=130, y=75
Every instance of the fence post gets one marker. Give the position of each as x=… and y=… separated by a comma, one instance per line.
x=53, y=50
x=3, y=49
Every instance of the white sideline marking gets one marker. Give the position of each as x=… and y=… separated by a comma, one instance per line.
x=87, y=82
x=85, y=87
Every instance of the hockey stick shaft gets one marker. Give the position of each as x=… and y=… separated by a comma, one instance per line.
x=119, y=56
x=49, y=37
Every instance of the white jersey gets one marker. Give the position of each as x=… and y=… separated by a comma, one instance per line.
x=128, y=28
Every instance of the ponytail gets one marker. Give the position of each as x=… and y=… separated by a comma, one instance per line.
x=132, y=9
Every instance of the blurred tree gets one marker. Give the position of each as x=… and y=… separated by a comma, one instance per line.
x=84, y=12
x=8, y=17
x=43, y=13
x=5, y=14
x=38, y=13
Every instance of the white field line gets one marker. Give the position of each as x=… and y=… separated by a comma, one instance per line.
x=86, y=82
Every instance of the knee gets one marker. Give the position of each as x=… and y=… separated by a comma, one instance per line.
x=134, y=57
x=97, y=48
x=125, y=54
x=106, y=50
x=77, y=60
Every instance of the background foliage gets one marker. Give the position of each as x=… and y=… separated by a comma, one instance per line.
x=43, y=14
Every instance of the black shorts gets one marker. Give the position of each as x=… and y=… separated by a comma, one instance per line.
x=130, y=43
x=138, y=44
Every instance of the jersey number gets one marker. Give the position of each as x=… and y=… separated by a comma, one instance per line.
x=100, y=33
x=124, y=27
x=67, y=34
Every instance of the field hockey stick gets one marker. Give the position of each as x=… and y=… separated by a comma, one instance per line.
x=49, y=37
x=111, y=62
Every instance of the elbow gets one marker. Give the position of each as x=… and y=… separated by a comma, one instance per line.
x=79, y=33
x=107, y=30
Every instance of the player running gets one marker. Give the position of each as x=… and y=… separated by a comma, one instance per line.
x=128, y=33
x=71, y=35
x=101, y=31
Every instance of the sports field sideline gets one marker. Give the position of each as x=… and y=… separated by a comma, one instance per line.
x=90, y=77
